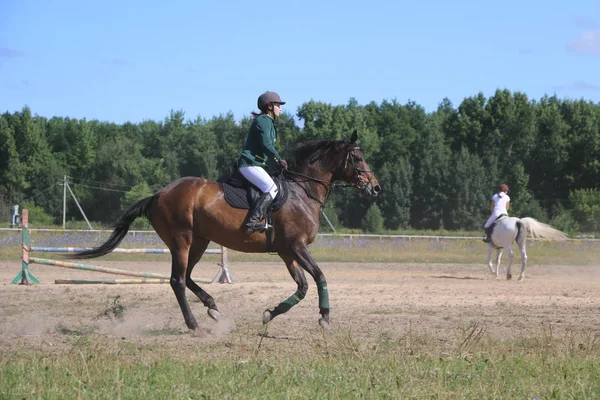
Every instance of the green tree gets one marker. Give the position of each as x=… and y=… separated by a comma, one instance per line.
x=586, y=208
x=431, y=161
x=396, y=177
x=198, y=151
x=467, y=195
x=373, y=221
x=12, y=171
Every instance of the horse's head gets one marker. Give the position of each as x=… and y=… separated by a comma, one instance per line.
x=327, y=161
x=353, y=167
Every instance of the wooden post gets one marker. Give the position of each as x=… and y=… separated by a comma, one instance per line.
x=25, y=277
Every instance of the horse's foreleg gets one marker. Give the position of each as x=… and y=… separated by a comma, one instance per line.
x=196, y=252
x=523, y=252
x=179, y=259
x=287, y=304
x=305, y=260
x=490, y=252
x=498, y=262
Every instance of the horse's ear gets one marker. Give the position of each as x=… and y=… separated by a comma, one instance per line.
x=354, y=136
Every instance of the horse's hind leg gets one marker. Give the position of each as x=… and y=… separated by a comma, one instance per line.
x=196, y=252
x=179, y=262
x=300, y=279
x=523, y=251
x=511, y=255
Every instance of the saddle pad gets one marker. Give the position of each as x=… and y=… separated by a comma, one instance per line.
x=237, y=197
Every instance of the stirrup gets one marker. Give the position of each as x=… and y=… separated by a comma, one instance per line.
x=258, y=227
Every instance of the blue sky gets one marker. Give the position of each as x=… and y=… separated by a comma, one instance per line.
x=133, y=60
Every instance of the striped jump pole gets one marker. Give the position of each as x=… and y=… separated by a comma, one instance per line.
x=25, y=277
x=109, y=281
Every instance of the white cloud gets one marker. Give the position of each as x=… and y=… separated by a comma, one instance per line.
x=118, y=61
x=587, y=43
x=578, y=86
x=10, y=53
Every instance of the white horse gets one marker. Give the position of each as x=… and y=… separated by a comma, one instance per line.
x=509, y=230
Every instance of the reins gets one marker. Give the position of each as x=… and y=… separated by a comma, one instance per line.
x=328, y=186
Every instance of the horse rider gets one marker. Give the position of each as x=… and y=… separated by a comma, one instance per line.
x=258, y=154
x=499, y=206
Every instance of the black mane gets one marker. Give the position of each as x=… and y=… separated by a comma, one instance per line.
x=311, y=151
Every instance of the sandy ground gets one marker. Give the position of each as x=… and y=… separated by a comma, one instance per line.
x=367, y=301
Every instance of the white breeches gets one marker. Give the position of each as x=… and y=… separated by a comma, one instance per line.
x=493, y=217
x=259, y=178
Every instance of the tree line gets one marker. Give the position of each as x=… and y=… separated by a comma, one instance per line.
x=437, y=169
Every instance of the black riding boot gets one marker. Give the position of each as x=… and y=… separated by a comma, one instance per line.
x=258, y=211
x=488, y=234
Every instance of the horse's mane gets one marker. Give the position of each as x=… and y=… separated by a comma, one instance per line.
x=311, y=152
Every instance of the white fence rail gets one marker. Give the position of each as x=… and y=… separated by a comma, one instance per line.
x=336, y=235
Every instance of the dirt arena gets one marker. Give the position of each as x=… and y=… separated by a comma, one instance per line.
x=368, y=301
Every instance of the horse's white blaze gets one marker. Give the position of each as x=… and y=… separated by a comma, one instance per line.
x=507, y=232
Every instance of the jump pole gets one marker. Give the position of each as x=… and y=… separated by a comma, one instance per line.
x=108, y=281
x=25, y=277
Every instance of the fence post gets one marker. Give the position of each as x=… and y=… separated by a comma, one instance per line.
x=25, y=277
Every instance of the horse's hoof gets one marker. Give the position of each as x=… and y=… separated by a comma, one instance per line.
x=267, y=317
x=324, y=324
x=214, y=314
x=508, y=277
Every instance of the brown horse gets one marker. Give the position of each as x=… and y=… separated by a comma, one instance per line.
x=190, y=212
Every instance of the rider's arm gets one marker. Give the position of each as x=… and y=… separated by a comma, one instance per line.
x=492, y=204
x=507, y=205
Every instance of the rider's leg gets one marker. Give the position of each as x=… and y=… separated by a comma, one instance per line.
x=488, y=227
x=263, y=181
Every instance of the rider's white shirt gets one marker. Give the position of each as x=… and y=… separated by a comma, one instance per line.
x=500, y=204
x=499, y=207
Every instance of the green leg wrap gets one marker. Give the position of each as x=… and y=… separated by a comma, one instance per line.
x=288, y=303
x=323, y=295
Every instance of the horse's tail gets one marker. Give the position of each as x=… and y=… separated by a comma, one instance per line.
x=538, y=229
x=139, y=209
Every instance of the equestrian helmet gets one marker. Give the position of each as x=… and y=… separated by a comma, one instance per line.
x=268, y=97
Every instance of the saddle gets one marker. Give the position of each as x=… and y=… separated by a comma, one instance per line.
x=490, y=229
x=239, y=193
x=500, y=218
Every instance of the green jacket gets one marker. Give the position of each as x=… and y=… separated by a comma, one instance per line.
x=259, y=149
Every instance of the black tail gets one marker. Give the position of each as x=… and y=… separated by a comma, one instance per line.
x=139, y=209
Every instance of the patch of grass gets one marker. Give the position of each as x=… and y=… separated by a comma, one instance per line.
x=332, y=366
x=115, y=310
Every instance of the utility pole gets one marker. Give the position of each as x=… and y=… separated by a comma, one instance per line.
x=65, y=188
x=64, y=201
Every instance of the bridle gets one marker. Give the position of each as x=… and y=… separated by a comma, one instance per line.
x=356, y=181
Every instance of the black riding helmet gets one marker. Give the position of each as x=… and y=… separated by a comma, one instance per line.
x=266, y=98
